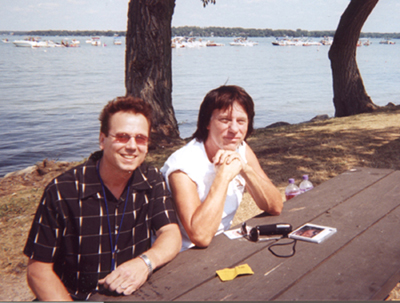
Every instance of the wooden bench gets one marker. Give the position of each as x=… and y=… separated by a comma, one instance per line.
x=360, y=262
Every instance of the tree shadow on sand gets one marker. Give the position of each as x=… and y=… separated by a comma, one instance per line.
x=324, y=150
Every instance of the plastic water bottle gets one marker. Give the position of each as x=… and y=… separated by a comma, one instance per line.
x=305, y=185
x=292, y=190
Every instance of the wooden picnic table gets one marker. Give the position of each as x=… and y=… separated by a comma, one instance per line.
x=359, y=262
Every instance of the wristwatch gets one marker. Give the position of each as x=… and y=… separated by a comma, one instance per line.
x=148, y=263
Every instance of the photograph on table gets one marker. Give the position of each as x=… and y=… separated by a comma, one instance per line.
x=312, y=233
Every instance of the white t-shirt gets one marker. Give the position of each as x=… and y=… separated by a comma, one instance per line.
x=192, y=160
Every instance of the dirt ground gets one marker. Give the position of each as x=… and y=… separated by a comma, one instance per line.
x=321, y=149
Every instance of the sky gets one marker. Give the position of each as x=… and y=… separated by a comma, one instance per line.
x=25, y=15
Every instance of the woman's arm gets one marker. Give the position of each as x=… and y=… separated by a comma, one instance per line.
x=263, y=191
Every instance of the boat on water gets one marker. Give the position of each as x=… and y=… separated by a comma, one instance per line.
x=72, y=43
x=34, y=42
x=95, y=41
x=387, y=41
x=327, y=40
x=28, y=42
x=187, y=42
x=5, y=40
x=177, y=42
x=311, y=43
x=117, y=41
x=362, y=42
x=286, y=41
x=212, y=43
x=240, y=41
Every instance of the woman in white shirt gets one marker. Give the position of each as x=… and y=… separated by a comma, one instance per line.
x=207, y=176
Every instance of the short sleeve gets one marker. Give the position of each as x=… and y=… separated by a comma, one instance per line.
x=163, y=212
x=44, y=237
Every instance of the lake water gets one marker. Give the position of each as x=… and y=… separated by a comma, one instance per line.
x=51, y=97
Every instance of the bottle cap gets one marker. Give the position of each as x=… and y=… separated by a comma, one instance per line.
x=291, y=180
x=305, y=177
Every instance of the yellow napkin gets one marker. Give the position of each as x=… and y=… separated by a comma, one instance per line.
x=228, y=274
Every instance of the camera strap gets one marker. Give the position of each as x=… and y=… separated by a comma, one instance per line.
x=293, y=242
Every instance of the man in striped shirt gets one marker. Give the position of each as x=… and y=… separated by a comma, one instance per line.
x=93, y=227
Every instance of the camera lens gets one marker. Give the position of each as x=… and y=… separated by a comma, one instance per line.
x=253, y=234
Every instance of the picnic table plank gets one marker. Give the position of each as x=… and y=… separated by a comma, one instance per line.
x=359, y=271
x=192, y=271
x=368, y=267
x=326, y=195
x=274, y=275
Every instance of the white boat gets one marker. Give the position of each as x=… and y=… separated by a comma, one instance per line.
x=311, y=43
x=117, y=41
x=95, y=41
x=5, y=40
x=27, y=42
x=291, y=42
x=280, y=42
x=185, y=42
x=72, y=43
x=242, y=42
x=212, y=43
x=34, y=42
x=387, y=41
x=177, y=42
x=327, y=40
x=48, y=43
x=55, y=44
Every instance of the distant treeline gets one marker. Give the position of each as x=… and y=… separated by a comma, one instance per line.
x=207, y=32
x=64, y=33
x=252, y=32
x=244, y=32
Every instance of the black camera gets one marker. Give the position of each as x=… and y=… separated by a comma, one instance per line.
x=267, y=230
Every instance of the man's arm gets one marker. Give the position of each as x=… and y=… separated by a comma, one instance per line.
x=132, y=274
x=44, y=282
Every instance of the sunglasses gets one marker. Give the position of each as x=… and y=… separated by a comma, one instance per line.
x=124, y=138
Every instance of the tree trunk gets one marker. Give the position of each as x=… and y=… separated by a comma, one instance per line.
x=148, y=72
x=349, y=95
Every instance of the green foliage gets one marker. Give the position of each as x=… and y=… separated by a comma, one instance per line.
x=248, y=32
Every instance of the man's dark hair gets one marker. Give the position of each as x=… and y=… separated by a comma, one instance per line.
x=123, y=104
x=223, y=98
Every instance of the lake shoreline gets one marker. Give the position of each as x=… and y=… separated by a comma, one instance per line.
x=32, y=168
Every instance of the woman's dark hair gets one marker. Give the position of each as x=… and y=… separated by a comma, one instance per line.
x=223, y=98
x=123, y=104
